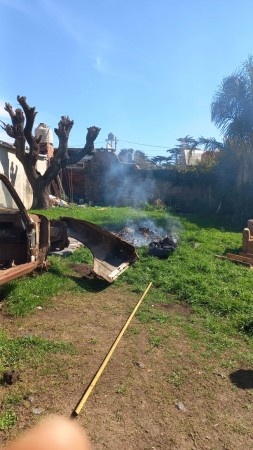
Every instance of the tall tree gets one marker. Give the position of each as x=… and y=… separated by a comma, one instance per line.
x=211, y=144
x=22, y=131
x=232, y=113
x=126, y=155
x=161, y=161
x=140, y=159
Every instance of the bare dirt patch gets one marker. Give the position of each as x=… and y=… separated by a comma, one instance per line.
x=159, y=391
x=177, y=308
x=85, y=271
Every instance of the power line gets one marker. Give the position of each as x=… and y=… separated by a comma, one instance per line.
x=128, y=142
x=146, y=145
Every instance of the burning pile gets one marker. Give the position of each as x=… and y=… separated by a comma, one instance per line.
x=148, y=234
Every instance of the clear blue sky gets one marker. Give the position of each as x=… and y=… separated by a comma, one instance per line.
x=143, y=69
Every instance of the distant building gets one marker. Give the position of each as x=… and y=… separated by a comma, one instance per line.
x=190, y=157
x=100, y=178
x=193, y=157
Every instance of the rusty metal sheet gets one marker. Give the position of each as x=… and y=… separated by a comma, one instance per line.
x=112, y=255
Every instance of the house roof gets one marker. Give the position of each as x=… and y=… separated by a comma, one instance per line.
x=6, y=145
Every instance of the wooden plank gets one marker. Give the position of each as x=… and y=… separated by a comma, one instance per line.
x=248, y=255
x=240, y=258
x=247, y=264
x=241, y=262
x=16, y=272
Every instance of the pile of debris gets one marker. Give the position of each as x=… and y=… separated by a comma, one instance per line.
x=137, y=236
x=162, y=248
x=141, y=236
x=55, y=201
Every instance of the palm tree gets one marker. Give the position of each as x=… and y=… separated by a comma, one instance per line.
x=211, y=144
x=232, y=113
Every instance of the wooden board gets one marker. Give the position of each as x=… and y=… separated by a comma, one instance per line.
x=240, y=258
x=236, y=259
x=248, y=255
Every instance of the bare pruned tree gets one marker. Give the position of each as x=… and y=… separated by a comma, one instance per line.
x=21, y=130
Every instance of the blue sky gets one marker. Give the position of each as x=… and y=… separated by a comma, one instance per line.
x=144, y=69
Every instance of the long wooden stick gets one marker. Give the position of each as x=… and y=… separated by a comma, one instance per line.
x=95, y=379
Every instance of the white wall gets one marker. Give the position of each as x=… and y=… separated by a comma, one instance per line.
x=13, y=169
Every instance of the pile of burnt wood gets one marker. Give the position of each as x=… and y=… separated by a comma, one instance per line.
x=144, y=236
x=162, y=248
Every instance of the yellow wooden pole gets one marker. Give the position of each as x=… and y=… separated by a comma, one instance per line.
x=95, y=379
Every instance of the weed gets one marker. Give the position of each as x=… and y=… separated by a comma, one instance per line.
x=14, y=399
x=119, y=416
x=93, y=341
x=241, y=429
x=7, y=420
x=121, y=389
x=134, y=331
x=171, y=354
x=176, y=378
x=155, y=341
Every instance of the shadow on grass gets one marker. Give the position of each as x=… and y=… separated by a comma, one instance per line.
x=235, y=251
x=90, y=285
x=242, y=378
x=214, y=221
x=6, y=290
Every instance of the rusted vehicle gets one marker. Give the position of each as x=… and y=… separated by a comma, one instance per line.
x=26, y=239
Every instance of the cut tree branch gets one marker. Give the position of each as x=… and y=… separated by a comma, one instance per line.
x=30, y=114
x=63, y=131
x=60, y=158
x=9, y=110
x=91, y=136
x=57, y=163
x=8, y=129
x=16, y=130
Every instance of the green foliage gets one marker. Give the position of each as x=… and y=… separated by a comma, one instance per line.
x=121, y=389
x=233, y=103
x=7, y=420
x=231, y=111
x=161, y=160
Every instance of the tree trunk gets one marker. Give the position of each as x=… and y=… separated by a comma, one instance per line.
x=40, y=195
